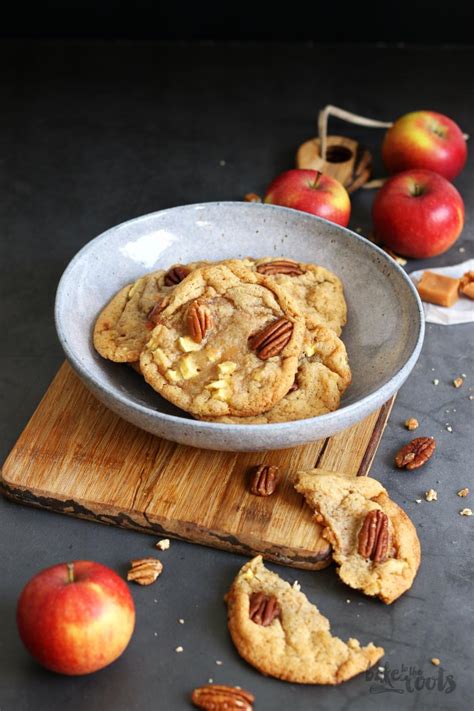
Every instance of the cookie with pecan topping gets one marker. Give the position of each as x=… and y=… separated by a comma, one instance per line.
x=374, y=543
x=227, y=343
x=317, y=292
x=322, y=376
x=276, y=629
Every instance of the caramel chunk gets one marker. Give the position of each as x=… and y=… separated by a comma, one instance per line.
x=438, y=289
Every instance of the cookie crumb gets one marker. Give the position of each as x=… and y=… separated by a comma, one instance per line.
x=463, y=492
x=431, y=495
x=210, y=681
x=436, y=661
x=163, y=545
x=179, y=649
x=457, y=382
x=218, y=662
x=449, y=428
x=471, y=397
x=418, y=501
x=348, y=601
x=181, y=621
x=155, y=634
x=436, y=381
x=412, y=423
x=462, y=249
x=296, y=586
x=222, y=163
x=466, y=512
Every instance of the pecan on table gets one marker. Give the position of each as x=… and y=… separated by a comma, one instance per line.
x=217, y=697
x=175, y=275
x=272, y=339
x=264, y=480
x=374, y=536
x=199, y=320
x=415, y=453
x=263, y=608
x=145, y=571
x=280, y=266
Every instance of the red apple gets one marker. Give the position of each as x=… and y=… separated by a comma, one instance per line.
x=418, y=213
x=311, y=191
x=76, y=618
x=425, y=139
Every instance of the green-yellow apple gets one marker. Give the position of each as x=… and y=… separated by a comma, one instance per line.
x=76, y=618
x=311, y=191
x=425, y=139
x=418, y=213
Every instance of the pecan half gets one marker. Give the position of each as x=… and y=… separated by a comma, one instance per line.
x=263, y=609
x=272, y=339
x=145, y=571
x=280, y=266
x=153, y=316
x=415, y=453
x=217, y=697
x=175, y=275
x=264, y=480
x=374, y=536
x=199, y=320
x=252, y=197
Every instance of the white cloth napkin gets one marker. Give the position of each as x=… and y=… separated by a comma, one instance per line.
x=462, y=311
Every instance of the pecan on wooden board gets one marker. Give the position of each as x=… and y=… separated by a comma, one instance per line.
x=280, y=266
x=415, y=453
x=144, y=571
x=263, y=608
x=272, y=339
x=175, y=275
x=199, y=320
x=264, y=480
x=217, y=697
x=374, y=536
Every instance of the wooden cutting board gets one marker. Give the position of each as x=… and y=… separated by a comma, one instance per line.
x=78, y=458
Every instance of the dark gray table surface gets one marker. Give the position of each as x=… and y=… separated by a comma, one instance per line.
x=92, y=134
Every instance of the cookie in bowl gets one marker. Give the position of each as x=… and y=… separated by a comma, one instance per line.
x=227, y=343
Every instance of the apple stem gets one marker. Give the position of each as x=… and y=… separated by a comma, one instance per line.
x=317, y=178
x=70, y=572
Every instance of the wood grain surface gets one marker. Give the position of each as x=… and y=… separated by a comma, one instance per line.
x=77, y=457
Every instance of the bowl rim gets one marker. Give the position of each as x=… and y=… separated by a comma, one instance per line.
x=377, y=398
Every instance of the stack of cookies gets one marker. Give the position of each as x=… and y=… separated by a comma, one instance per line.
x=249, y=341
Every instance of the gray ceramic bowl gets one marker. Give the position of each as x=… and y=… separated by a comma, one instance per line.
x=383, y=336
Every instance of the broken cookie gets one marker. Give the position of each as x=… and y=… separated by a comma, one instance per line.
x=374, y=543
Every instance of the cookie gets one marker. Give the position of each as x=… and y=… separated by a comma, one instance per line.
x=317, y=292
x=228, y=343
x=323, y=374
x=277, y=630
x=124, y=326
x=374, y=543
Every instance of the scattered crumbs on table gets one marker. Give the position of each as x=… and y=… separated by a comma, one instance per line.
x=417, y=501
x=163, y=544
x=449, y=428
x=348, y=601
x=412, y=423
x=457, y=382
x=463, y=492
x=436, y=661
x=471, y=397
x=181, y=621
x=465, y=512
x=433, y=370
x=210, y=681
x=359, y=230
x=222, y=163
x=431, y=495
x=462, y=249
x=436, y=381
x=155, y=634
x=179, y=649
x=463, y=375
x=155, y=600
x=218, y=662
x=296, y=586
